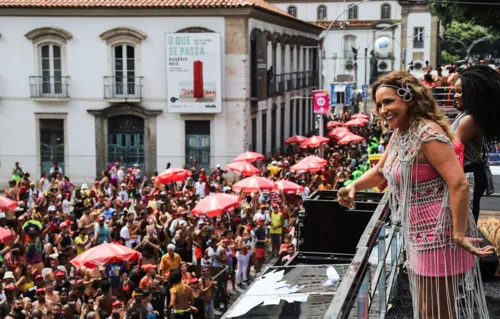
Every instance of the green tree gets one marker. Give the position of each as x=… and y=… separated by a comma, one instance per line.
x=452, y=50
x=481, y=14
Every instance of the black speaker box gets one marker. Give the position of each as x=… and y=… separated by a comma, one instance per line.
x=487, y=265
x=328, y=227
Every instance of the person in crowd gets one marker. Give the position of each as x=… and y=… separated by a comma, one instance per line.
x=476, y=127
x=420, y=159
x=181, y=297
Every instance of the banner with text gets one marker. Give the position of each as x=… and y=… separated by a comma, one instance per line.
x=321, y=102
x=193, y=72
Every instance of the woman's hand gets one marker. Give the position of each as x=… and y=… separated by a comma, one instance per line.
x=468, y=244
x=345, y=196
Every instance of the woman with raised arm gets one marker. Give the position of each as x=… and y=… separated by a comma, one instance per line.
x=429, y=199
x=477, y=93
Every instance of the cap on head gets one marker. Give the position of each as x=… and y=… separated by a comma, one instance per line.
x=9, y=275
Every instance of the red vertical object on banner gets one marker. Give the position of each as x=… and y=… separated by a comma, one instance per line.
x=198, y=79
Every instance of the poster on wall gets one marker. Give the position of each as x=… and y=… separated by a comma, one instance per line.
x=193, y=72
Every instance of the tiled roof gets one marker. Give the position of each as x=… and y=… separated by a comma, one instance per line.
x=259, y=4
x=352, y=23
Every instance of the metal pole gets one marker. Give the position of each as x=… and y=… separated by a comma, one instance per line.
x=469, y=49
x=320, y=81
x=366, y=65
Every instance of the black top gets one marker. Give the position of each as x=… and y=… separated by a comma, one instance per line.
x=260, y=233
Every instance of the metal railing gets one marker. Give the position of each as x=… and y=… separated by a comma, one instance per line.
x=49, y=87
x=444, y=98
x=359, y=289
x=285, y=82
x=123, y=87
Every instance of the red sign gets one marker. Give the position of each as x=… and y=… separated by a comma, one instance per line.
x=321, y=102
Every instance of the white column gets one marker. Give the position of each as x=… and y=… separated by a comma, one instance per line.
x=287, y=132
x=277, y=69
x=259, y=132
x=279, y=134
x=269, y=147
x=308, y=114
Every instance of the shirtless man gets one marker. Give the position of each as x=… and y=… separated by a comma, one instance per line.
x=105, y=300
x=181, y=297
x=85, y=220
x=91, y=281
x=207, y=285
x=42, y=304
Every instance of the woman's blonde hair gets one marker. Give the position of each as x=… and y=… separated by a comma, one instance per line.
x=422, y=105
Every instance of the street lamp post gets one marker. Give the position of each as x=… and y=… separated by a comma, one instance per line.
x=468, y=49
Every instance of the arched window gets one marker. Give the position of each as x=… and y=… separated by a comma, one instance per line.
x=322, y=12
x=292, y=10
x=50, y=80
x=51, y=68
x=353, y=13
x=124, y=48
x=385, y=11
x=124, y=69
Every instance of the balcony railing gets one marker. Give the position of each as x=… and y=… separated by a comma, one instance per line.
x=444, y=98
x=418, y=44
x=49, y=87
x=123, y=88
x=280, y=83
x=364, y=291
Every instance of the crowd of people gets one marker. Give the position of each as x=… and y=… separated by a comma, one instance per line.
x=188, y=262
x=55, y=221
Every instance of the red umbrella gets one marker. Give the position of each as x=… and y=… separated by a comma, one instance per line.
x=214, y=205
x=172, y=175
x=333, y=124
x=314, y=141
x=351, y=138
x=243, y=167
x=339, y=132
x=317, y=159
x=7, y=204
x=296, y=139
x=360, y=116
x=306, y=166
x=5, y=235
x=356, y=122
x=249, y=157
x=288, y=187
x=104, y=254
x=254, y=184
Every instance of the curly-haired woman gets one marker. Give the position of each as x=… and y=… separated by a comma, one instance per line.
x=429, y=196
x=477, y=92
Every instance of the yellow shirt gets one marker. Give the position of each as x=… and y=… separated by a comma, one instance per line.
x=78, y=242
x=273, y=169
x=275, y=222
x=167, y=264
x=325, y=187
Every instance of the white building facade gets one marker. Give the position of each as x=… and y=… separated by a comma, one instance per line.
x=86, y=87
x=401, y=33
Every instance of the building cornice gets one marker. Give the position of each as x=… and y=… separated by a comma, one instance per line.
x=253, y=12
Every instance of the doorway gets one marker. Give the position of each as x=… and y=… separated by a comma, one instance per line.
x=126, y=140
x=51, y=144
x=198, y=144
